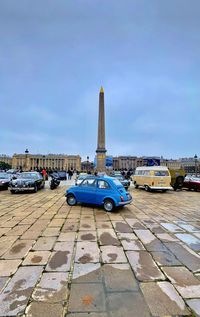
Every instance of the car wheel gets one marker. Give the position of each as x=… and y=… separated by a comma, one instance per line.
x=179, y=181
x=147, y=188
x=108, y=205
x=12, y=191
x=35, y=189
x=71, y=200
x=136, y=185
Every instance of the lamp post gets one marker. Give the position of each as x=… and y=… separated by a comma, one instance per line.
x=195, y=162
x=26, y=156
x=87, y=163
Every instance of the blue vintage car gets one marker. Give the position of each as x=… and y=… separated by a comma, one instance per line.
x=106, y=191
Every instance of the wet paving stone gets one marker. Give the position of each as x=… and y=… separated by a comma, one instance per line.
x=44, y=244
x=107, y=237
x=132, y=245
x=185, y=255
x=194, y=304
x=87, y=298
x=171, y=227
x=3, y=281
x=8, y=267
x=52, y=226
x=59, y=261
x=87, y=236
x=87, y=252
x=67, y=236
x=127, y=304
x=19, y=249
x=87, y=273
x=37, y=309
x=143, y=266
x=37, y=258
x=53, y=288
x=15, y=296
x=150, y=241
x=163, y=299
x=120, y=226
x=184, y=281
x=191, y=241
x=119, y=278
x=165, y=258
x=113, y=254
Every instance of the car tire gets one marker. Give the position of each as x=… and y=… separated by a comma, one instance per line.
x=136, y=185
x=108, y=205
x=179, y=181
x=147, y=188
x=35, y=189
x=12, y=191
x=71, y=200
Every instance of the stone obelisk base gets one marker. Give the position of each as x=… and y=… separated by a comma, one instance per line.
x=101, y=161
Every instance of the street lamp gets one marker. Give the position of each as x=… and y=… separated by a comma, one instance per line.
x=195, y=162
x=87, y=164
x=26, y=155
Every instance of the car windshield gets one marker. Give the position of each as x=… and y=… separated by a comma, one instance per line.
x=117, y=182
x=3, y=176
x=81, y=177
x=119, y=177
x=28, y=175
x=161, y=173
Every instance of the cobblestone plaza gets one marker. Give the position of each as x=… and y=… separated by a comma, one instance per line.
x=141, y=260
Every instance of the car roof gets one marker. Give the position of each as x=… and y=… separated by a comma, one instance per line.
x=152, y=168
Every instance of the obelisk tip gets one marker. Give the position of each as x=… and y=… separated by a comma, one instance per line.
x=101, y=90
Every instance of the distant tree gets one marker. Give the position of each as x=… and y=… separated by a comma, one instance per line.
x=4, y=166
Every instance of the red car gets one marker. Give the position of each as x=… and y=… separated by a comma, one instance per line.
x=191, y=182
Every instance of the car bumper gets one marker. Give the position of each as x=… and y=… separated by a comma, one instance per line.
x=122, y=203
x=21, y=189
x=3, y=185
x=161, y=187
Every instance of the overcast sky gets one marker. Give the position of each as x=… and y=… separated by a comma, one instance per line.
x=55, y=55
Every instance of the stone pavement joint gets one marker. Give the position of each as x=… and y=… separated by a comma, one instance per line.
x=142, y=260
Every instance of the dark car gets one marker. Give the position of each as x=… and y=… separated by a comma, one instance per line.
x=27, y=181
x=4, y=180
x=61, y=175
x=177, y=178
x=191, y=182
x=125, y=182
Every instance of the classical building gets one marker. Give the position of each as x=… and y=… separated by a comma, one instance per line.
x=61, y=162
x=171, y=164
x=6, y=159
x=127, y=162
x=190, y=165
x=101, y=149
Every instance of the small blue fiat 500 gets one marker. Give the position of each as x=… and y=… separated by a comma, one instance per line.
x=106, y=191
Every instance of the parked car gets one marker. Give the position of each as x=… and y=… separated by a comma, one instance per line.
x=80, y=178
x=177, y=178
x=27, y=181
x=4, y=180
x=125, y=182
x=152, y=178
x=62, y=175
x=191, y=182
x=106, y=191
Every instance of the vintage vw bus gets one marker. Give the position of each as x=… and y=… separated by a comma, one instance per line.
x=152, y=178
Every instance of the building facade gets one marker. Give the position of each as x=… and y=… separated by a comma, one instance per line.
x=60, y=162
x=171, y=164
x=6, y=159
x=126, y=162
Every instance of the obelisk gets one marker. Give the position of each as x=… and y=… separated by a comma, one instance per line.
x=101, y=150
